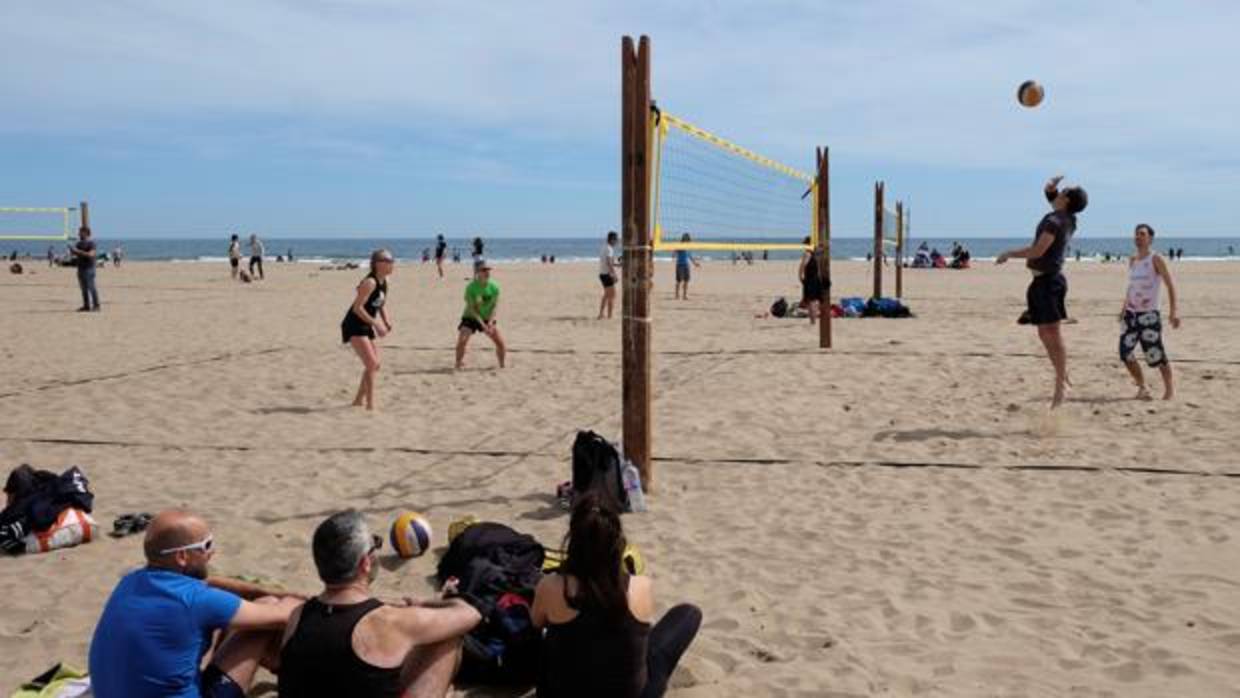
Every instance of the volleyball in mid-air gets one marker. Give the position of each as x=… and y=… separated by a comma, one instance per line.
x=410, y=534
x=1030, y=93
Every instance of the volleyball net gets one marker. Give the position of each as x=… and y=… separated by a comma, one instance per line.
x=34, y=223
x=723, y=196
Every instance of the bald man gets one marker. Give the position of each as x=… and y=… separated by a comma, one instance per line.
x=157, y=626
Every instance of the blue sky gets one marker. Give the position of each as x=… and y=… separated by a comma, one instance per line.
x=387, y=117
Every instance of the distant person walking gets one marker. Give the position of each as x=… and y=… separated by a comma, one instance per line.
x=234, y=256
x=1047, y=294
x=481, y=309
x=607, y=275
x=366, y=321
x=117, y=254
x=1147, y=271
x=683, y=260
x=51, y=256
x=477, y=249
x=256, y=256
x=441, y=251
x=83, y=254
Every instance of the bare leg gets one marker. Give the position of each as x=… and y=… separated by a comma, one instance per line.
x=241, y=653
x=1168, y=383
x=814, y=310
x=1053, y=341
x=368, y=352
x=462, y=339
x=429, y=669
x=501, y=349
x=611, y=300
x=1138, y=377
x=602, y=304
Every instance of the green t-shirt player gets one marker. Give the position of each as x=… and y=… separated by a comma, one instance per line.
x=481, y=304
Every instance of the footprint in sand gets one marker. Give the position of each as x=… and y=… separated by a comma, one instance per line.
x=962, y=622
x=1128, y=672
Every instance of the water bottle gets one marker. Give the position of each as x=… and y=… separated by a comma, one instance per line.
x=633, y=487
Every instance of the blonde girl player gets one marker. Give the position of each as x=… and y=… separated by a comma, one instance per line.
x=367, y=320
x=1147, y=271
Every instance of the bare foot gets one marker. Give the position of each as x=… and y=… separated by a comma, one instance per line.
x=1169, y=393
x=1057, y=399
x=357, y=402
x=1143, y=393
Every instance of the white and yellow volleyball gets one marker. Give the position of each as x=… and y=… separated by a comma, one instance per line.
x=410, y=534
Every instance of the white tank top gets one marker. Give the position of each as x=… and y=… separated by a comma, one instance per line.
x=1143, y=285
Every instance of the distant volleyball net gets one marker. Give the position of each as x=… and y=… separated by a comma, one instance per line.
x=34, y=223
x=724, y=196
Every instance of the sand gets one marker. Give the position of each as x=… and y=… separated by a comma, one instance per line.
x=897, y=516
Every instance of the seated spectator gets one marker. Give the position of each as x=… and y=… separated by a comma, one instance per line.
x=599, y=641
x=158, y=623
x=345, y=642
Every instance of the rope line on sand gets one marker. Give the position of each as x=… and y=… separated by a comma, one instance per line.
x=147, y=369
x=688, y=460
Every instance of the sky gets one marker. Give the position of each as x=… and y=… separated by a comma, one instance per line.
x=304, y=118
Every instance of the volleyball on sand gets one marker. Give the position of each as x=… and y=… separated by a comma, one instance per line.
x=1030, y=94
x=410, y=534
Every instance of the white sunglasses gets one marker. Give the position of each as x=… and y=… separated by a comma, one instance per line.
x=206, y=545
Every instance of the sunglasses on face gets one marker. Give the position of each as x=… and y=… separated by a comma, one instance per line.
x=376, y=542
x=206, y=545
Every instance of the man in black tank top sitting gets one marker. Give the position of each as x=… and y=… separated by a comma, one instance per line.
x=344, y=642
x=1048, y=291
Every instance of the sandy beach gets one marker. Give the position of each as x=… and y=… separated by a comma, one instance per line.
x=898, y=516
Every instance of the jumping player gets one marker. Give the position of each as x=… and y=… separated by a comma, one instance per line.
x=1048, y=290
x=1139, y=316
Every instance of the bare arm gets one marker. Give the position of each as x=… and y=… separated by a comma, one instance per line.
x=435, y=622
x=1037, y=249
x=264, y=616
x=247, y=590
x=359, y=303
x=538, y=612
x=1160, y=266
x=801, y=269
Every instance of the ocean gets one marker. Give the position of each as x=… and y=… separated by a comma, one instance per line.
x=570, y=250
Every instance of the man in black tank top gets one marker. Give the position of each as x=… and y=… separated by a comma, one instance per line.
x=1047, y=294
x=344, y=642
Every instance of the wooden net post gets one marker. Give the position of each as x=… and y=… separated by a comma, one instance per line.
x=878, y=240
x=824, y=246
x=84, y=211
x=899, y=249
x=637, y=258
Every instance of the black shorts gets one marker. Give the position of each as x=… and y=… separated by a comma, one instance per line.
x=1045, y=299
x=811, y=290
x=214, y=683
x=607, y=279
x=468, y=323
x=234, y=261
x=682, y=273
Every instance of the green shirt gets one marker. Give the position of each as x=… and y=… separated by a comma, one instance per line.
x=482, y=297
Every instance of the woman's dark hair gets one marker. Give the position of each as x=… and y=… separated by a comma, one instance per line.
x=1077, y=199
x=1147, y=227
x=593, y=548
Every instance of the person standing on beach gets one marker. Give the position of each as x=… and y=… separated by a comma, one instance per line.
x=1140, y=316
x=234, y=255
x=83, y=255
x=256, y=255
x=607, y=275
x=1048, y=291
x=366, y=321
x=683, y=259
x=811, y=284
x=441, y=251
x=481, y=304
x=477, y=249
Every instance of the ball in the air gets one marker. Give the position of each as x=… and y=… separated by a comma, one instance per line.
x=410, y=534
x=1030, y=94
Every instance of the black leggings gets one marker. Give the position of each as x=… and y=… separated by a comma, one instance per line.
x=669, y=638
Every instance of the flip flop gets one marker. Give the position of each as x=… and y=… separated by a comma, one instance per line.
x=126, y=524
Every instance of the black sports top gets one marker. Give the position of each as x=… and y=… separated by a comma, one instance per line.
x=591, y=655
x=1062, y=225
x=318, y=660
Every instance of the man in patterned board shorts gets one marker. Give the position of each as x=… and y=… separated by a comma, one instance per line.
x=1147, y=271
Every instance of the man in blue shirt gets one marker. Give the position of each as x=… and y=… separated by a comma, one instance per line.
x=158, y=624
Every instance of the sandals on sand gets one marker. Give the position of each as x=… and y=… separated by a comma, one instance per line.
x=126, y=524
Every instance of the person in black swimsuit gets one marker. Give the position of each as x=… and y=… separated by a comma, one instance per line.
x=811, y=283
x=599, y=641
x=441, y=251
x=366, y=320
